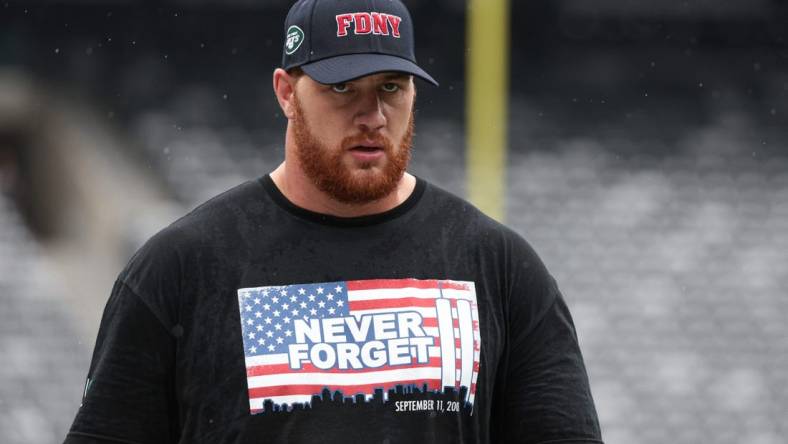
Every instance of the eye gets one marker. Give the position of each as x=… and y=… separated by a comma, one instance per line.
x=340, y=88
x=390, y=87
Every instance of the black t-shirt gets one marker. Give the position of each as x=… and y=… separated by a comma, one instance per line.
x=251, y=320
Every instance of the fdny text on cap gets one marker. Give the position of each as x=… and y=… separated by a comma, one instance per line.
x=376, y=23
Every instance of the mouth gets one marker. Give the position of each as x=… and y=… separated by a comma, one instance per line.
x=366, y=153
x=366, y=148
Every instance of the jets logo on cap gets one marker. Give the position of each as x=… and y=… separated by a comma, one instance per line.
x=295, y=36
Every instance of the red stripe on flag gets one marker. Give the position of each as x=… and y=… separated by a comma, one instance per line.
x=347, y=390
x=263, y=370
x=433, y=322
x=376, y=284
x=437, y=342
x=391, y=303
x=475, y=365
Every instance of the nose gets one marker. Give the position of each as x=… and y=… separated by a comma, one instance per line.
x=370, y=116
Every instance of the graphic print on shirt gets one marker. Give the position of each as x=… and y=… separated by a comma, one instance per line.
x=413, y=344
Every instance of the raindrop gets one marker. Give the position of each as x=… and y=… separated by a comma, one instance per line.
x=57, y=50
x=224, y=96
x=773, y=112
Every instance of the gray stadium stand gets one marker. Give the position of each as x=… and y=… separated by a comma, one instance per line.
x=44, y=362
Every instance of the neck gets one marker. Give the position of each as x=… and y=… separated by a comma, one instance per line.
x=298, y=189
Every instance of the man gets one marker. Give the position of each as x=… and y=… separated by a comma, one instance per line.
x=339, y=298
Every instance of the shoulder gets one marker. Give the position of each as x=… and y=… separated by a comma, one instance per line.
x=236, y=203
x=234, y=206
x=162, y=261
x=465, y=219
x=499, y=250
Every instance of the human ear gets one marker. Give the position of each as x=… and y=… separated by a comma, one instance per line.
x=284, y=89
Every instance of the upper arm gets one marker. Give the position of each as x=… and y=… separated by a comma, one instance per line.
x=548, y=395
x=545, y=394
x=129, y=397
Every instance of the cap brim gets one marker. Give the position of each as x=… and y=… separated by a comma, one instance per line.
x=352, y=66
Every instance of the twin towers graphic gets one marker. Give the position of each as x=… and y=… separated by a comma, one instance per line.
x=449, y=355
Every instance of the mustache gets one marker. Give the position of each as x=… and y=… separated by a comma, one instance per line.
x=365, y=139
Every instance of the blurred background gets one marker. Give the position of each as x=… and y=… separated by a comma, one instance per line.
x=647, y=164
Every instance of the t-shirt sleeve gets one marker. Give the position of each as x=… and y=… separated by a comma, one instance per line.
x=546, y=394
x=129, y=393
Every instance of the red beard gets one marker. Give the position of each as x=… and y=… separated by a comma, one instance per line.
x=325, y=168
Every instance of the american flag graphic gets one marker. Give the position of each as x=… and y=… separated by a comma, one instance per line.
x=358, y=336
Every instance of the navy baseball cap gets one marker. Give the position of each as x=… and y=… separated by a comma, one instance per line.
x=335, y=41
